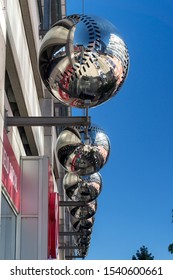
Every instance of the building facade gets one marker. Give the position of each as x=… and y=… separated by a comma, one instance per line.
x=31, y=221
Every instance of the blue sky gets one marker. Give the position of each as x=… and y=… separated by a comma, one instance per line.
x=135, y=205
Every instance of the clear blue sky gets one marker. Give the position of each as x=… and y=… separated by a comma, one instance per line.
x=135, y=205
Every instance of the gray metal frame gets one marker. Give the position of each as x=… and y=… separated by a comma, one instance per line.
x=47, y=121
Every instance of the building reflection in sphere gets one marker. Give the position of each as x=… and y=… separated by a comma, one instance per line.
x=83, y=58
x=80, y=225
x=84, y=156
x=84, y=212
x=82, y=188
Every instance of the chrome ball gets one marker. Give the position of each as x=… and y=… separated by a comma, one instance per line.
x=82, y=188
x=82, y=252
x=84, y=212
x=80, y=225
x=84, y=240
x=83, y=58
x=80, y=155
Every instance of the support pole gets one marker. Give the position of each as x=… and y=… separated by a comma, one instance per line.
x=72, y=203
x=70, y=233
x=70, y=247
x=74, y=257
x=46, y=121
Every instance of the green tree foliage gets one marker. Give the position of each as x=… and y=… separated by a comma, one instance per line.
x=170, y=248
x=143, y=254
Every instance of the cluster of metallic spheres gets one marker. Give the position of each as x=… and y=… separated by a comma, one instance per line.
x=83, y=62
x=82, y=157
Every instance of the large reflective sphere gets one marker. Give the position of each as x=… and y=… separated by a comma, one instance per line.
x=82, y=188
x=83, y=58
x=82, y=155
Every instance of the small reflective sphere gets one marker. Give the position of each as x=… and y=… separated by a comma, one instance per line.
x=83, y=241
x=82, y=188
x=82, y=252
x=82, y=225
x=84, y=212
x=85, y=232
x=83, y=58
x=80, y=154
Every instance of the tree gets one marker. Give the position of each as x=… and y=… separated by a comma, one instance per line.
x=170, y=248
x=143, y=254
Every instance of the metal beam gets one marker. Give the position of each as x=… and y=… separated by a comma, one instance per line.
x=46, y=121
x=72, y=203
x=74, y=257
x=70, y=247
x=70, y=233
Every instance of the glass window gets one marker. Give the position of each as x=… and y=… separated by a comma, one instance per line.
x=8, y=231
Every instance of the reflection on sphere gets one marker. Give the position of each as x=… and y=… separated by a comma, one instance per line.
x=80, y=225
x=80, y=155
x=83, y=58
x=82, y=188
x=83, y=212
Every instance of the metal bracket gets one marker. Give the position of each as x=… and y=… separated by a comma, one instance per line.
x=46, y=121
x=74, y=257
x=72, y=203
x=70, y=247
x=70, y=233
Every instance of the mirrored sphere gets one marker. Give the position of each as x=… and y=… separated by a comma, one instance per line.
x=82, y=188
x=96, y=137
x=84, y=212
x=81, y=225
x=84, y=240
x=85, y=232
x=83, y=57
x=82, y=155
x=82, y=250
x=83, y=244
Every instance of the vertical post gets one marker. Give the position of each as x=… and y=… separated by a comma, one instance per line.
x=87, y=103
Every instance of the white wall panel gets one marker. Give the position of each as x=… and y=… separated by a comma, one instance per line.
x=29, y=231
x=19, y=46
x=21, y=55
x=33, y=229
x=30, y=188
